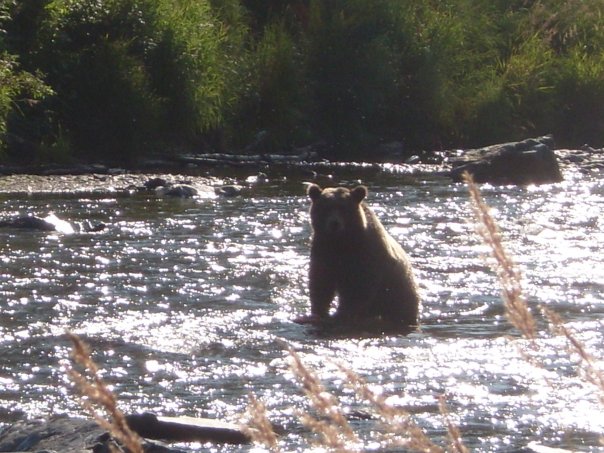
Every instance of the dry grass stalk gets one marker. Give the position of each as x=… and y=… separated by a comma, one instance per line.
x=94, y=392
x=516, y=308
x=397, y=421
x=587, y=364
x=455, y=442
x=336, y=431
x=259, y=427
x=331, y=435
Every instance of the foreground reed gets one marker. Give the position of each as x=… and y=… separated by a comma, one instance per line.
x=510, y=280
x=258, y=427
x=516, y=307
x=97, y=398
x=398, y=424
x=331, y=425
x=587, y=367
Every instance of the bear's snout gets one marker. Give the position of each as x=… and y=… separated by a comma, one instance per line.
x=334, y=224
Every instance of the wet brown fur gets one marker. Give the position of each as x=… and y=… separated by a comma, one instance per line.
x=353, y=256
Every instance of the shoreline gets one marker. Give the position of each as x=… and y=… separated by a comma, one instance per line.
x=103, y=178
x=533, y=160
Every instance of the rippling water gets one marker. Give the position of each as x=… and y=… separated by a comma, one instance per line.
x=187, y=306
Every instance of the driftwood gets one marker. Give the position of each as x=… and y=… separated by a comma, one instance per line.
x=70, y=434
x=245, y=160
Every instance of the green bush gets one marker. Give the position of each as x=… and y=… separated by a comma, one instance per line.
x=579, y=99
x=134, y=76
x=353, y=69
x=274, y=96
x=20, y=92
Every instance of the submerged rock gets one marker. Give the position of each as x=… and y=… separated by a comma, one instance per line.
x=48, y=223
x=229, y=190
x=530, y=161
x=154, y=183
x=176, y=191
x=164, y=188
x=587, y=159
x=29, y=222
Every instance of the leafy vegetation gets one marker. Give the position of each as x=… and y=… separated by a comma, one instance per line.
x=118, y=79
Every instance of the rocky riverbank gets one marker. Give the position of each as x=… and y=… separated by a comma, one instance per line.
x=116, y=182
x=531, y=161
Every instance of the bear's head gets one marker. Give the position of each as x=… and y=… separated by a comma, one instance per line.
x=337, y=211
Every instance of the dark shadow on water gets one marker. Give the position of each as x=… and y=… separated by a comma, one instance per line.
x=332, y=329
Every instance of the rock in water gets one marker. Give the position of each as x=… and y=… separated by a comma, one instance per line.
x=229, y=190
x=60, y=433
x=530, y=161
x=28, y=222
x=177, y=191
x=31, y=222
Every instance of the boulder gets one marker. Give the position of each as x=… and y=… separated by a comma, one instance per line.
x=530, y=161
x=60, y=433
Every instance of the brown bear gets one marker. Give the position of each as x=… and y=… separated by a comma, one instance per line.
x=353, y=256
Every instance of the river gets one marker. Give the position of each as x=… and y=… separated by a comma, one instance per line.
x=187, y=307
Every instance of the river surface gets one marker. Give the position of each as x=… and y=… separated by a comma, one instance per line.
x=187, y=307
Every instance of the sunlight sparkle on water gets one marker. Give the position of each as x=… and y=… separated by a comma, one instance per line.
x=188, y=308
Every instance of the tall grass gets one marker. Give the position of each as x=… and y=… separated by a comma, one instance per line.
x=258, y=427
x=327, y=420
x=510, y=281
x=517, y=309
x=329, y=423
x=97, y=398
x=274, y=96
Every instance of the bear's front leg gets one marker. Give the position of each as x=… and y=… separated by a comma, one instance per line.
x=322, y=287
x=357, y=295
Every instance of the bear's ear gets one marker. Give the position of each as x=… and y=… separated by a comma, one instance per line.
x=314, y=192
x=359, y=193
